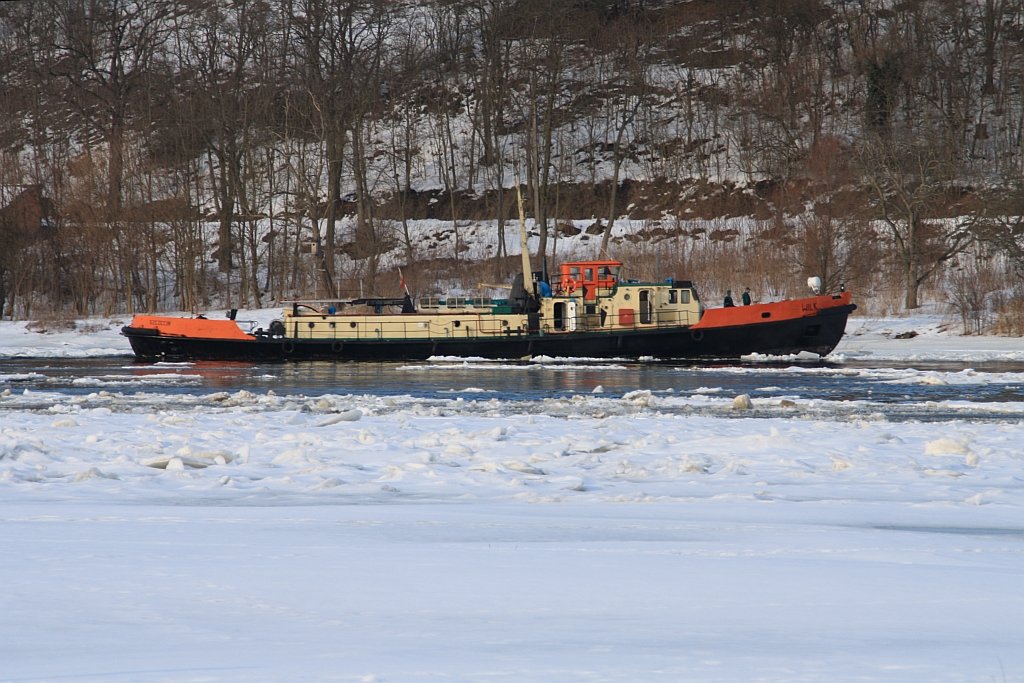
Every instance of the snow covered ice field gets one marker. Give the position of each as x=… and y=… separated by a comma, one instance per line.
x=254, y=535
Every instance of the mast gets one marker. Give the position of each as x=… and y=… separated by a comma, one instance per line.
x=524, y=248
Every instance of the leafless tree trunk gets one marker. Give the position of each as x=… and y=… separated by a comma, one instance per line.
x=907, y=180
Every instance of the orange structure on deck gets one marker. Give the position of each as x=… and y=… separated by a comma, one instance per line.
x=588, y=276
x=203, y=328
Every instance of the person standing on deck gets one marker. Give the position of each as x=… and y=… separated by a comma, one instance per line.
x=728, y=298
x=746, y=296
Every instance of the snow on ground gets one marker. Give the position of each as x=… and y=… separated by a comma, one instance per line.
x=103, y=338
x=261, y=536
x=921, y=338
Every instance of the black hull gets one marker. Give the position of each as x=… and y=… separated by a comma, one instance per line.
x=816, y=334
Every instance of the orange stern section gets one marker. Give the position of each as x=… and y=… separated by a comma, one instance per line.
x=780, y=310
x=201, y=328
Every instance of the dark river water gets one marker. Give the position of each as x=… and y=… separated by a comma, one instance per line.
x=894, y=389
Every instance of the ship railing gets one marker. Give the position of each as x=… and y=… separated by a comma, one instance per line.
x=482, y=326
x=341, y=330
x=656, y=319
x=454, y=302
x=560, y=288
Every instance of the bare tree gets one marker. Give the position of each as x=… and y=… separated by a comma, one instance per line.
x=340, y=53
x=403, y=118
x=104, y=52
x=908, y=181
x=1000, y=225
x=834, y=240
x=218, y=49
x=628, y=96
x=496, y=20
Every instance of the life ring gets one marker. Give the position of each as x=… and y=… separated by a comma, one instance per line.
x=569, y=286
x=337, y=346
x=696, y=335
x=288, y=346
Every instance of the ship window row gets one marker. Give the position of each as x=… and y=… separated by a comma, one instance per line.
x=679, y=296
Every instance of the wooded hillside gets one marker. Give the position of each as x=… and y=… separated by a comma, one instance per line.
x=241, y=151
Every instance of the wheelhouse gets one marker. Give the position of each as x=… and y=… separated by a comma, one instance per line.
x=593, y=278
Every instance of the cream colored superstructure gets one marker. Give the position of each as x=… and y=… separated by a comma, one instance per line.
x=623, y=306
